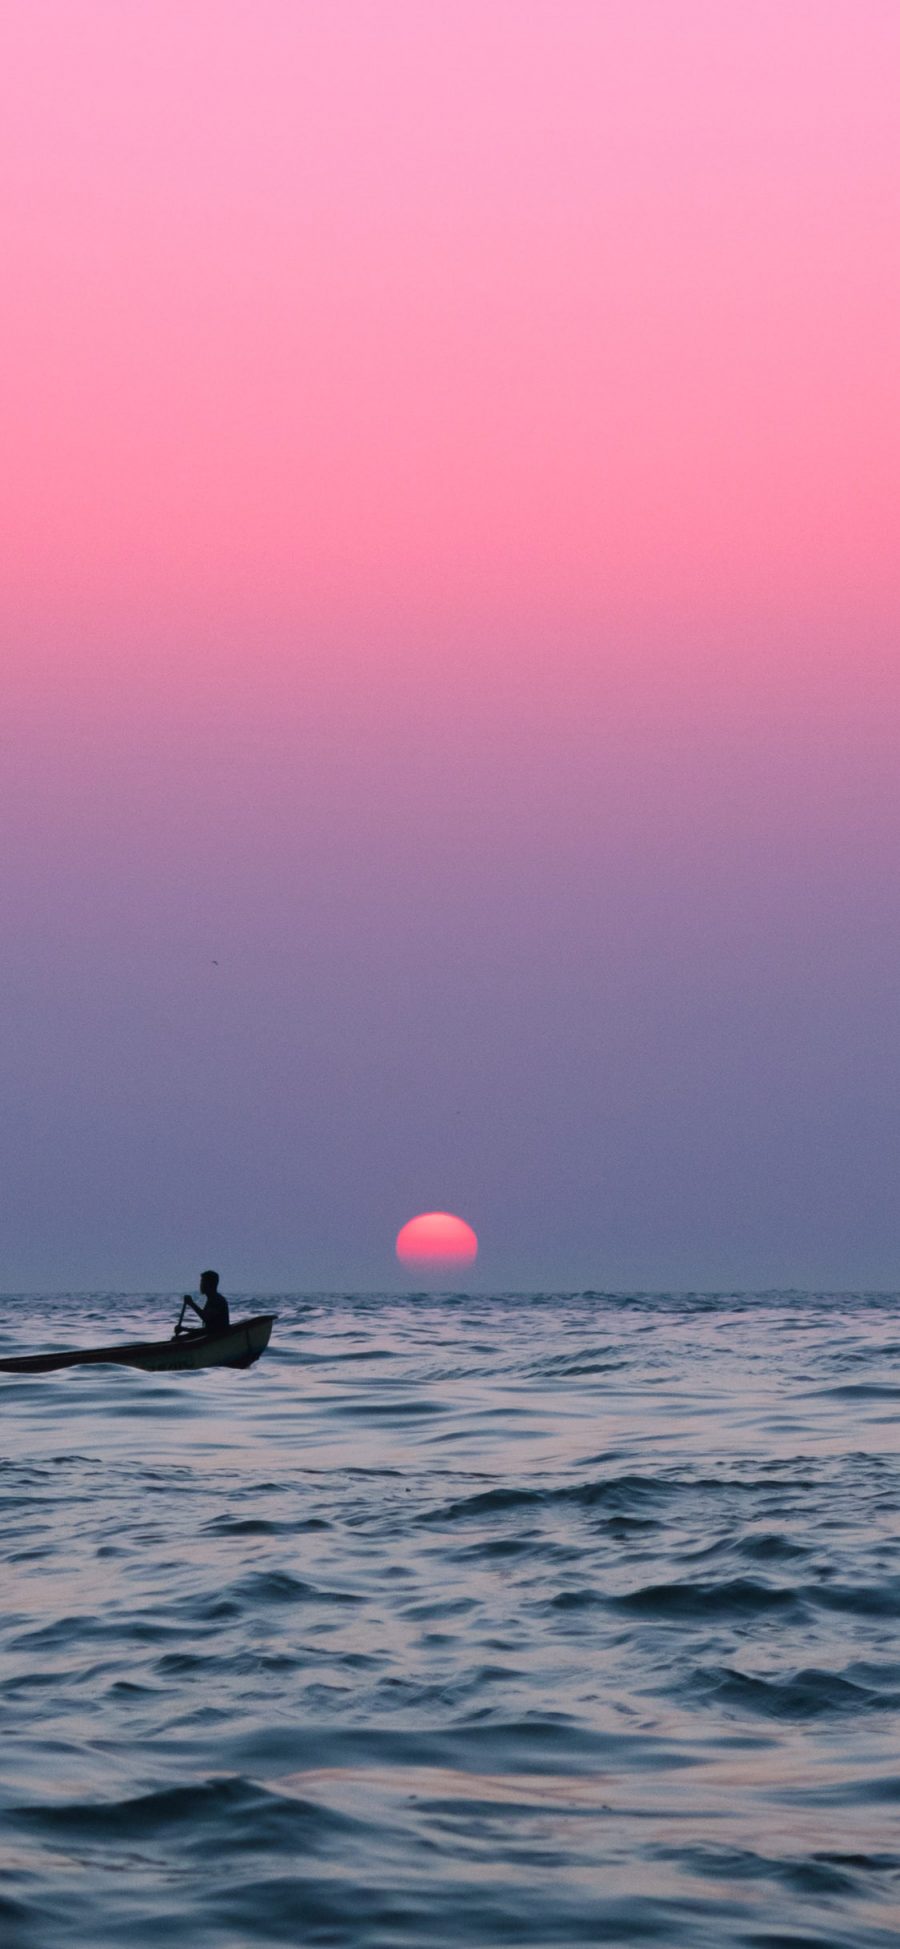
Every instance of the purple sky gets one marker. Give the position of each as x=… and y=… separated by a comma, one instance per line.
x=449, y=615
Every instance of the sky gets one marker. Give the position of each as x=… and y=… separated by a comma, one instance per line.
x=449, y=682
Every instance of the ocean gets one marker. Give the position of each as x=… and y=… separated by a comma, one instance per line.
x=538, y=1619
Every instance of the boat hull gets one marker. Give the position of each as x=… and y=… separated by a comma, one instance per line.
x=239, y=1346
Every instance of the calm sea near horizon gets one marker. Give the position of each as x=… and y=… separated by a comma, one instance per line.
x=537, y=1619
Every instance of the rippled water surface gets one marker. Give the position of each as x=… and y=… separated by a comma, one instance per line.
x=536, y=1620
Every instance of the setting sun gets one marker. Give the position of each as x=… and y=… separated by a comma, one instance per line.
x=435, y=1241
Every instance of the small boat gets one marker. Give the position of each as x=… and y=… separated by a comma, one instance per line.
x=241, y=1343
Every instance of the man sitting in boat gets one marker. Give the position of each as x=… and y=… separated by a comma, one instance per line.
x=214, y=1313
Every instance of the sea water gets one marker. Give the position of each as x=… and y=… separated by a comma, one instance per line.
x=531, y=1619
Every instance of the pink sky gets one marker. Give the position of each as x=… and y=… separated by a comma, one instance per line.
x=579, y=307
x=450, y=478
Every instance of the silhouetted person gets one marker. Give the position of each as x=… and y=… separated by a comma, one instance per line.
x=214, y=1311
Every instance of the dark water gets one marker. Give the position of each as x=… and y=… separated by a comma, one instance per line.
x=544, y=1621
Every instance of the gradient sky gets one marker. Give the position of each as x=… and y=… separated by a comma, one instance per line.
x=449, y=602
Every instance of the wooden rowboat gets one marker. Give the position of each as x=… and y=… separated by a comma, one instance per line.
x=238, y=1346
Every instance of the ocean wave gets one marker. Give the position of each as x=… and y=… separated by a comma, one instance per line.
x=729, y=1597
x=802, y=1695
x=620, y=1494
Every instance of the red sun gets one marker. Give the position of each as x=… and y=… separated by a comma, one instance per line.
x=436, y=1242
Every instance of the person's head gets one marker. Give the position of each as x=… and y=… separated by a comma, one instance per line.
x=209, y=1284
